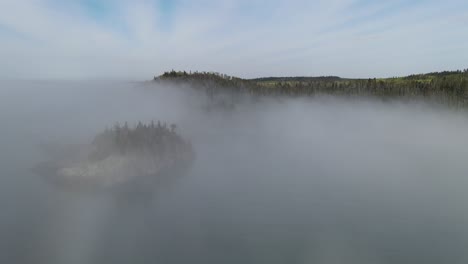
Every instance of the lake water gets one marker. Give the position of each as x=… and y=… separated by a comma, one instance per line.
x=323, y=180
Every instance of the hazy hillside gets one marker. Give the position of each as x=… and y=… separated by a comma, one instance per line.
x=448, y=87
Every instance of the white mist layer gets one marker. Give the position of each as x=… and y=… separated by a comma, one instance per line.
x=321, y=180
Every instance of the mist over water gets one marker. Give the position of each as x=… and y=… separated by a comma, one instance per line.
x=322, y=180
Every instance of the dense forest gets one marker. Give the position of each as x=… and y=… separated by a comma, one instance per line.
x=448, y=87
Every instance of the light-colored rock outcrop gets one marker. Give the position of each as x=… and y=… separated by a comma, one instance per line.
x=166, y=155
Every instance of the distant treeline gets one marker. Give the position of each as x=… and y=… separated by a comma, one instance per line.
x=297, y=79
x=448, y=87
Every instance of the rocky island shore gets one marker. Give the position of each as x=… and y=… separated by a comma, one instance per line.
x=123, y=157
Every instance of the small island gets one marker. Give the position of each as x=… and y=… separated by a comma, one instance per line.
x=123, y=157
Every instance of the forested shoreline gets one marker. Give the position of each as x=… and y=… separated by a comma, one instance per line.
x=448, y=87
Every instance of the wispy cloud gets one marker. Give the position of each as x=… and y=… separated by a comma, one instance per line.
x=136, y=39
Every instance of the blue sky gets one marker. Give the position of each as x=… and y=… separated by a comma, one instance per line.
x=118, y=39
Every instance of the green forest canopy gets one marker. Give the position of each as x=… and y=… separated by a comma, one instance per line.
x=448, y=87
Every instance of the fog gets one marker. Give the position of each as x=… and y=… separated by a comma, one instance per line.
x=320, y=180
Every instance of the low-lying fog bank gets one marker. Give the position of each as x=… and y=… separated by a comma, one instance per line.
x=323, y=180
